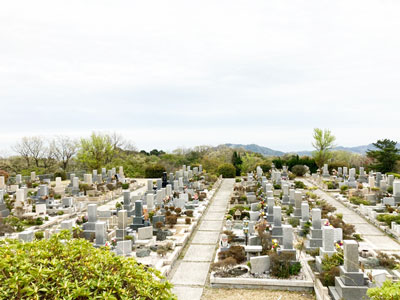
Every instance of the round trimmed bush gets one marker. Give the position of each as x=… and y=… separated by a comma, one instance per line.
x=299, y=170
x=227, y=171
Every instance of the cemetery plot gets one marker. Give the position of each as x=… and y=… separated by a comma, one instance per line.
x=280, y=234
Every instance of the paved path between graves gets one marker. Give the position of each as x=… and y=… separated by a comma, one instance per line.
x=374, y=238
x=189, y=275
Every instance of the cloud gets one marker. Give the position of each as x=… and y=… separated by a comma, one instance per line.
x=183, y=73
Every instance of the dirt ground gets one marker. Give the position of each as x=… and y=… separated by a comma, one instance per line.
x=235, y=294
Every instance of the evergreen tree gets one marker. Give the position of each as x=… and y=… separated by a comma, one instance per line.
x=237, y=162
x=386, y=155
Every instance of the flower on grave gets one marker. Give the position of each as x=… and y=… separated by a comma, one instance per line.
x=275, y=244
x=327, y=223
x=107, y=244
x=339, y=245
x=114, y=242
x=196, y=196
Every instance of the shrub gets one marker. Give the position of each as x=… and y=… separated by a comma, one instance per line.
x=39, y=235
x=159, y=224
x=299, y=185
x=188, y=220
x=189, y=213
x=266, y=167
x=178, y=210
x=125, y=186
x=386, y=260
x=299, y=170
x=344, y=188
x=29, y=272
x=236, y=252
x=60, y=213
x=283, y=266
x=294, y=222
x=61, y=174
x=154, y=171
x=358, y=201
x=277, y=186
x=221, y=267
x=238, y=180
x=227, y=171
x=388, y=219
x=330, y=268
x=389, y=290
x=348, y=229
x=171, y=220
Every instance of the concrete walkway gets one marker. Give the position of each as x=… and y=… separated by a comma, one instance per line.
x=374, y=238
x=190, y=274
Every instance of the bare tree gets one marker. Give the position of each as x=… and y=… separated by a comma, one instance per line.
x=31, y=147
x=64, y=148
x=23, y=149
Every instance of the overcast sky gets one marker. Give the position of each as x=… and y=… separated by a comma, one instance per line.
x=168, y=74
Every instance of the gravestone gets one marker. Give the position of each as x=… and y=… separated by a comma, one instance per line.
x=378, y=176
x=4, y=211
x=260, y=264
x=150, y=202
x=101, y=233
x=122, y=232
x=67, y=225
x=89, y=228
x=138, y=219
x=124, y=247
x=127, y=202
x=305, y=214
x=328, y=246
x=149, y=185
x=26, y=236
x=396, y=191
x=145, y=233
x=270, y=212
x=315, y=238
x=287, y=242
x=291, y=197
x=352, y=284
x=285, y=196
x=277, y=226
x=298, y=198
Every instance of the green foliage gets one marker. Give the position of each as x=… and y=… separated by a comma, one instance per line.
x=125, y=186
x=227, y=171
x=344, y=188
x=299, y=170
x=154, y=171
x=266, y=167
x=388, y=291
x=294, y=222
x=299, y=185
x=323, y=144
x=283, y=266
x=357, y=201
x=74, y=269
x=388, y=218
x=237, y=162
x=96, y=151
x=39, y=235
x=386, y=156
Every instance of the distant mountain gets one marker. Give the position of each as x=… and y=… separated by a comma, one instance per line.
x=270, y=152
x=257, y=149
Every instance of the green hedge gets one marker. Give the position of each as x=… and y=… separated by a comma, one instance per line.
x=65, y=268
